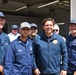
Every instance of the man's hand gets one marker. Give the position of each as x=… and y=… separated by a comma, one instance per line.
x=63, y=72
x=1, y=68
x=75, y=73
x=36, y=72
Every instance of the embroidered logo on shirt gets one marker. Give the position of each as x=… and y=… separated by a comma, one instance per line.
x=30, y=48
x=19, y=41
x=6, y=43
x=19, y=50
x=55, y=41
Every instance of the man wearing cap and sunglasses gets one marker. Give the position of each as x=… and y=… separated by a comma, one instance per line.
x=19, y=58
x=34, y=31
x=71, y=46
x=14, y=33
x=57, y=30
x=4, y=41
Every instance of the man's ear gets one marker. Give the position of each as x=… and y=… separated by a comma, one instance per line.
x=36, y=30
x=4, y=21
x=19, y=30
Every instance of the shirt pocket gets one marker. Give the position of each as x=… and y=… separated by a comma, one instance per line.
x=20, y=56
x=5, y=45
x=31, y=53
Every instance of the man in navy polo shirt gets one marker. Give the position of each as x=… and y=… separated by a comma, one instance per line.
x=71, y=45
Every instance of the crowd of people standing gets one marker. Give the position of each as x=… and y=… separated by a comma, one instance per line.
x=24, y=52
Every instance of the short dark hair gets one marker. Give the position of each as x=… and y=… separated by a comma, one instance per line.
x=48, y=19
x=72, y=24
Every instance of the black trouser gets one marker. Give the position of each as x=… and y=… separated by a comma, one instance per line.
x=0, y=73
x=69, y=74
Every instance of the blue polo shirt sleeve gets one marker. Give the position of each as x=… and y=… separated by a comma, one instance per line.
x=34, y=51
x=9, y=59
x=64, y=54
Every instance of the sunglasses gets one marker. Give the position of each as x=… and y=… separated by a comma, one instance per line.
x=15, y=29
x=33, y=28
x=55, y=30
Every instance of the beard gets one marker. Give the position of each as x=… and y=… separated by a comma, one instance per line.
x=24, y=36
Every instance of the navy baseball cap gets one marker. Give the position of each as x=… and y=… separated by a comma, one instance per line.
x=1, y=15
x=14, y=27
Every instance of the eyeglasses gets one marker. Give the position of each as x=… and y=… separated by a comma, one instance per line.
x=33, y=28
x=55, y=30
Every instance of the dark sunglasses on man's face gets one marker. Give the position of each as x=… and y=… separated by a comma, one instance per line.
x=55, y=30
x=15, y=29
x=33, y=28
